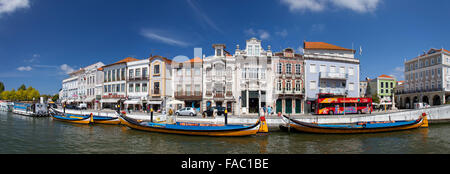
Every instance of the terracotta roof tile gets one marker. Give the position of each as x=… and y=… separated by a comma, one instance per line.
x=194, y=60
x=323, y=46
x=385, y=76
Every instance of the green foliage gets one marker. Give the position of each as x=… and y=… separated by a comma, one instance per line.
x=2, y=87
x=55, y=97
x=22, y=94
x=375, y=98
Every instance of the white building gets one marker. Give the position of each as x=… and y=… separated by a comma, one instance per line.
x=188, y=82
x=137, y=84
x=254, y=77
x=88, y=81
x=427, y=79
x=114, y=84
x=219, y=82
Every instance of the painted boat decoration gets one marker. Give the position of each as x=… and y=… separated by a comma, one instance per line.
x=72, y=118
x=200, y=129
x=360, y=127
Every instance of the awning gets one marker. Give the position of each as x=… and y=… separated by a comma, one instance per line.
x=174, y=102
x=89, y=99
x=109, y=100
x=154, y=102
x=133, y=102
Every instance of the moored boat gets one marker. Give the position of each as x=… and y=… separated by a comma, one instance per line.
x=200, y=129
x=360, y=127
x=106, y=119
x=30, y=109
x=72, y=118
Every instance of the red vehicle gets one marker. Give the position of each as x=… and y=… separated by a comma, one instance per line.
x=327, y=104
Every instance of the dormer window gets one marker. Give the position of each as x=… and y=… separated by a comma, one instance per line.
x=218, y=52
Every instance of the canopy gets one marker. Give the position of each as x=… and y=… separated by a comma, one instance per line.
x=133, y=102
x=154, y=102
x=174, y=102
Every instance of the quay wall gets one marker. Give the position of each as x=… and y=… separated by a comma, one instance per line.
x=435, y=115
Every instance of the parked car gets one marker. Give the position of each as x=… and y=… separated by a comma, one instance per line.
x=82, y=106
x=186, y=111
x=220, y=110
x=209, y=112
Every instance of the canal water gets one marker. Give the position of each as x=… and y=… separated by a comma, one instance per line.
x=27, y=135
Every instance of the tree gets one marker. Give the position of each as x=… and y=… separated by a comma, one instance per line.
x=22, y=87
x=55, y=97
x=2, y=87
x=375, y=98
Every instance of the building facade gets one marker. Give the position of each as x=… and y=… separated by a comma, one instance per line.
x=114, y=84
x=188, y=83
x=329, y=69
x=288, y=84
x=219, y=80
x=160, y=83
x=137, y=85
x=427, y=79
x=383, y=86
x=253, y=78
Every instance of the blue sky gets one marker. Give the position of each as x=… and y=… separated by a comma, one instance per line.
x=42, y=40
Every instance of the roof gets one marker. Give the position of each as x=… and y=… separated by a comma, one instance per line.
x=323, y=46
x=128, y=59
x=385, y=76
x=161, y=57
x=194, y=60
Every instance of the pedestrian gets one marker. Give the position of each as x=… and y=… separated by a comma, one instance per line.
x=269, y=110
x=226, y=116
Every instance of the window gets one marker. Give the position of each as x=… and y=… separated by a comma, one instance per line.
x=333, y=69
x=113, y=75
x=122, y=87
x=313, y=85
x=298, y=85
x=144, y=72
x=218, y=52
x=156, y=69
x=350, y=71
x=381, y=91
x=298, y=69
x=138, y=72
x=197, y=90
x=381, y=84
x=288, y=85
x=131, y=72
x=188, y=71
x=130, y=87
x=351, y=86
x=122, y=76
x=263, y=73
x=188, y=90
x=312, y=68
x=144, y=87
x=250, y=50
x=256, y=50
x=342, y=70
x=109, y=76
x=323, y=68
x=392, y=85
x=118, y=88
x=244, y=72
x=197, y=71
x=180, y=72
x=138, y=87
x=156, y=88
x=105, y=74
x=279, y=85
x=288, y=68
x=279, y=68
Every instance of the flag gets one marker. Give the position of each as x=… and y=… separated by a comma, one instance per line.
x=360, y=50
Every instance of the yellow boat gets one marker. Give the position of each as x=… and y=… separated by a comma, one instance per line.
x=200, y=129
x=361, y=127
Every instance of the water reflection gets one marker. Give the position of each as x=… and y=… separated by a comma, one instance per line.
x=21, y=134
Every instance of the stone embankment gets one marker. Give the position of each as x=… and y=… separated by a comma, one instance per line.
x=435, y=115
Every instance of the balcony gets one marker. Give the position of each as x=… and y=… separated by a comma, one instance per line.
x=183, y=95
x=333, y=75
x=289, y=92
x=336, y=91
x=136, y=78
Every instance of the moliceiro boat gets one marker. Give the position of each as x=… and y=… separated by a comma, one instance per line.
x=200, y=129
x=84, y=119
x=360, y=127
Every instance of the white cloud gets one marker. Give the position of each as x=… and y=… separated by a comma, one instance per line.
x=10, y=6
x=66, y=68
x=398, y=73
x=262, y=34
x=203, y=16
x=150, y=34
x=361, y=6
x=24, y=68
x=282, y=33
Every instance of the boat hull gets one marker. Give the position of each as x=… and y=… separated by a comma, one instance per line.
x=163, y=128
x=314, y=128
x=79, y=119
x=106, y=120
